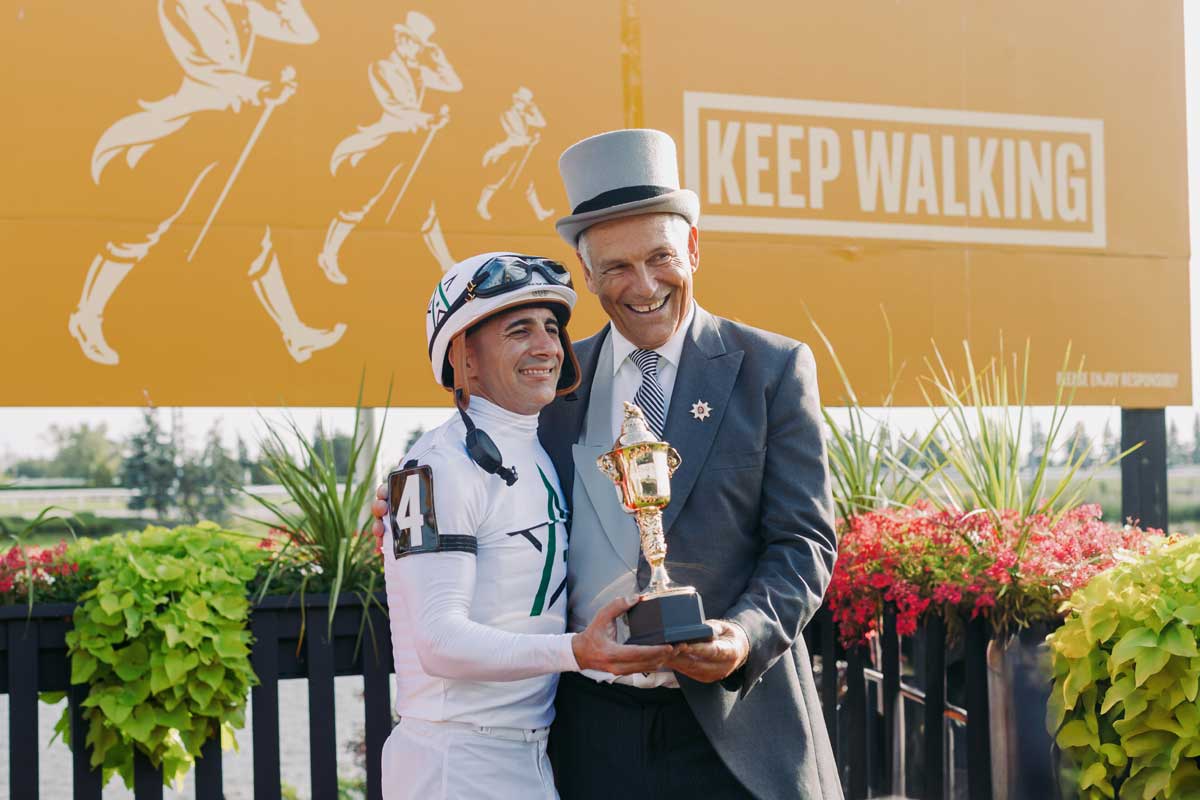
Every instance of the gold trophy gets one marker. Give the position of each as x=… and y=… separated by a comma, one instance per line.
x=641, y=468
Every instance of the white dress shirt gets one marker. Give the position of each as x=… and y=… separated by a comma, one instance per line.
x=627, y=377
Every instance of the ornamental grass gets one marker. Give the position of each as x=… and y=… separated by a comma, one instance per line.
x=322, y=533
x=958, y=524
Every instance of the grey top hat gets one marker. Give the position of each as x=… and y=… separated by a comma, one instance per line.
x=621, y=174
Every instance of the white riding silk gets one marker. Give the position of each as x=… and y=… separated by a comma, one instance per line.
x=478, y=639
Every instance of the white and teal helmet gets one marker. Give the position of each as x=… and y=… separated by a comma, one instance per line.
x=484, y=285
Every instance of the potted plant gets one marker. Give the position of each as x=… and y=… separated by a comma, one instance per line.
x=1052, y=546
x=978, y=535
x=159, y=635
x=322, y=535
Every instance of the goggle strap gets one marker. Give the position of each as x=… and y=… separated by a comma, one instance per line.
x=458, y=362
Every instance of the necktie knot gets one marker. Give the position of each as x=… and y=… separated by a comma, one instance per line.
x=646, y=360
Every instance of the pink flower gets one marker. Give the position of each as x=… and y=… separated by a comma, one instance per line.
x=913, y=557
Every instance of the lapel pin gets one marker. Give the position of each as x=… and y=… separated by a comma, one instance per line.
x=701, y=410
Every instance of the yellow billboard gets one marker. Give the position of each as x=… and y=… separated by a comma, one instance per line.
x=228, y=202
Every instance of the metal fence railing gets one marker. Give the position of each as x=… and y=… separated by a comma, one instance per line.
x=886, y=707
x=940, y=752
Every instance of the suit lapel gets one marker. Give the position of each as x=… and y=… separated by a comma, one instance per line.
x=596, y=441
x=616, y=524
x=560, y=424
x=706, y=373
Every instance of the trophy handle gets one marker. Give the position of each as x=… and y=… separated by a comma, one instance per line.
x=608, y=465
x=673, y=461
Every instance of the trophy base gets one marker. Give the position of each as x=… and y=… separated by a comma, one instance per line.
x=672, y=617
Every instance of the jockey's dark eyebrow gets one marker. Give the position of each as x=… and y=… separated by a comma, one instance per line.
x=521, y=322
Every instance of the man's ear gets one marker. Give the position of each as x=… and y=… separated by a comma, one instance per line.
x=694, y=247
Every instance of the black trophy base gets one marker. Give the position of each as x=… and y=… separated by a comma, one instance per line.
x=670, y=618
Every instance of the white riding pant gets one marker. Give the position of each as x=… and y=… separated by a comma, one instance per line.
x=458, y=761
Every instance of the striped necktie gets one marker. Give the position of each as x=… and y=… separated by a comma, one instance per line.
x=649, y=395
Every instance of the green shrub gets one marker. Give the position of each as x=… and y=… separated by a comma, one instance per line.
x=161, y=640
x=1126, y=667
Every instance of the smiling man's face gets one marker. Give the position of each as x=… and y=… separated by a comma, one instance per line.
x=514, y=358
x=641, y=269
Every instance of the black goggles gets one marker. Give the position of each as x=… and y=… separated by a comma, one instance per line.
x=505, y=273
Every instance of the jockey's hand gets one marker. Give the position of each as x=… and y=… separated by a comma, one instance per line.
x=597, y=647
x=378, y=509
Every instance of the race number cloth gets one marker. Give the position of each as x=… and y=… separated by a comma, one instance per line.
x=478, y=636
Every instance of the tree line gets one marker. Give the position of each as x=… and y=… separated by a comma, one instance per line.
x=1099, y=449
x=170, y=480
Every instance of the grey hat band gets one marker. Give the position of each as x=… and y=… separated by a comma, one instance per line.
x=625, y=194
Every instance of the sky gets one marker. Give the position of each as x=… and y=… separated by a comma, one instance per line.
x=23, y=431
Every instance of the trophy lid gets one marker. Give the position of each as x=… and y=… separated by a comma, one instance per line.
x=634, y=429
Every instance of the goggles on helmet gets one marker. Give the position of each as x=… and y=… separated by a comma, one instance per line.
x=504, y=274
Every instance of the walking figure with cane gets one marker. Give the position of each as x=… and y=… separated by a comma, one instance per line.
x=399, y=83
x=523, y=124
x=213, y=41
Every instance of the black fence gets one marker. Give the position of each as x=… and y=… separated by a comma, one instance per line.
x=864, y=694
x=945, y=747
x=33, y=659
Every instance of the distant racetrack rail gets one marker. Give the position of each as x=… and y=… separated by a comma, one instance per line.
x=29, y=502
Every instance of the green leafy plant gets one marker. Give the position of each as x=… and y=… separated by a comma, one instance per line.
x=1124, y=706
x=161, y=641
x=326, y=524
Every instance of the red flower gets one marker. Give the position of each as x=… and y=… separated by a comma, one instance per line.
x=23, y=569
x=915, y=557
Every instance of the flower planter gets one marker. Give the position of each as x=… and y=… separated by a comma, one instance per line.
x=1019, y=681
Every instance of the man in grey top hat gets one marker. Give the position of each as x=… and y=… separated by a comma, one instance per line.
x=750, y=523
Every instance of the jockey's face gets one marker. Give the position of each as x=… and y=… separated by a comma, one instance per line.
x=514, y=358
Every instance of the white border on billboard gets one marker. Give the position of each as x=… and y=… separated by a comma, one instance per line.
x=1097, y=237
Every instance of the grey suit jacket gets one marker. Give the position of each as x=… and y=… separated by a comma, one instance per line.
x=750, y=525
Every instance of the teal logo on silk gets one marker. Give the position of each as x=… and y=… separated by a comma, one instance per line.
x=555, y=514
